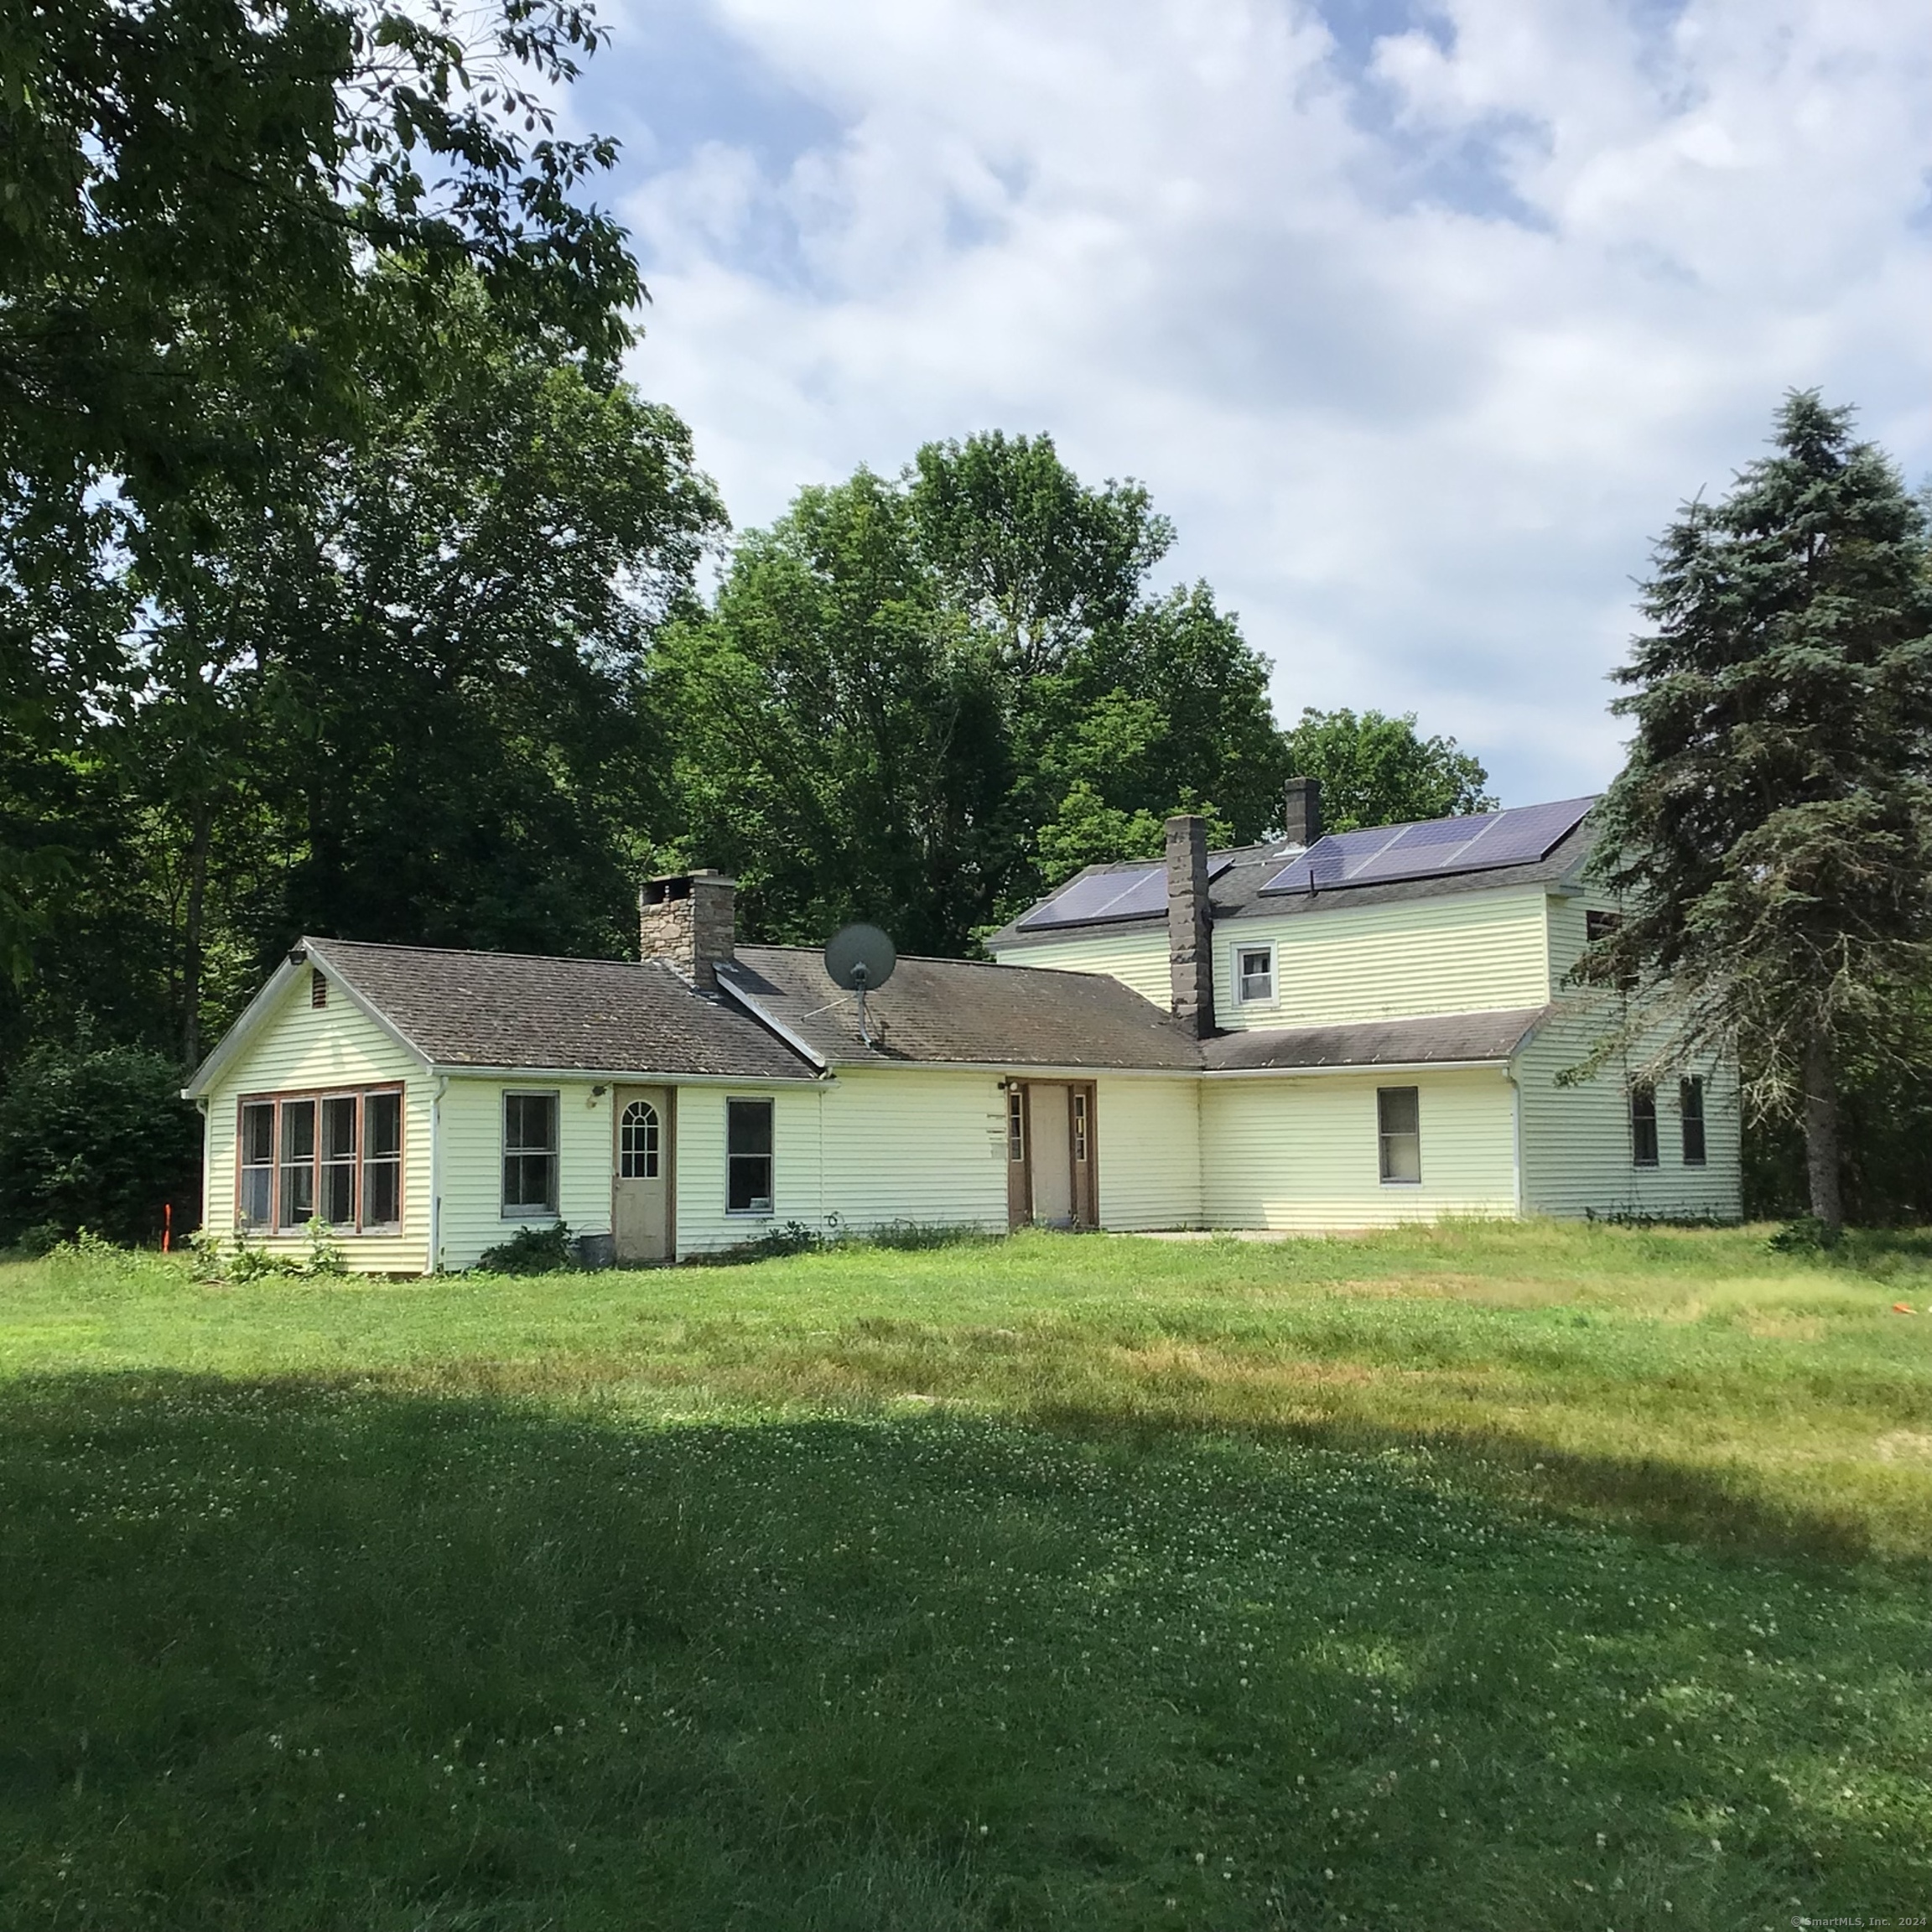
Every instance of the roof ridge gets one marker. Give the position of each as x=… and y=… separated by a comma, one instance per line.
x=477, y=953
x=942, y=959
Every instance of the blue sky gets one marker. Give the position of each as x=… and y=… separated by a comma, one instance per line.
x=1419, y=320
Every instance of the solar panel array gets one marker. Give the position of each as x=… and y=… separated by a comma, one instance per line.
x=1476, y=843
x=1138, y=893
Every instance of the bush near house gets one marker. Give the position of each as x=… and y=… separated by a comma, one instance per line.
x=99, y=1138
x=1520, y=1577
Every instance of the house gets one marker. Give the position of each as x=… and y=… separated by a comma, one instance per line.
x=1316, y=1033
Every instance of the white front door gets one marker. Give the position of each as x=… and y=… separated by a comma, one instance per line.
x=641, y=1201
x=1052, y=1155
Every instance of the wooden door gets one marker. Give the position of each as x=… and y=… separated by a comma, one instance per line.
x=1019, y=1181
x=641, y=1191
x=1085, y=1154
x=1050, y=1108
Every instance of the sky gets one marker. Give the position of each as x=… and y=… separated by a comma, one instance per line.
x=1419, y=320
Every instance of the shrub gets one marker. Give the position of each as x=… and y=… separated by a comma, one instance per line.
x=788, y=1238
x=98, y=1138
x=1806, y=1235
x=532, y=1251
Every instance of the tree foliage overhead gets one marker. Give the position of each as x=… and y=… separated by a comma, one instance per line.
x=1375, y=769
x=190, y=192
x=922, y=699
x=1772, y=833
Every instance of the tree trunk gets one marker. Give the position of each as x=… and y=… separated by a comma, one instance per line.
x=191, y=934
x=1821, y=1131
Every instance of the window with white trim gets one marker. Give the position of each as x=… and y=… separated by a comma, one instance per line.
x=748, y=1156
x=333, y=1157
x=1253, y=973
x=529, y=1156
x=1399, y=1131
x=638, y=1139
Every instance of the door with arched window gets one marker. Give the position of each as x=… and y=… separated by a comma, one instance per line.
x=641, y=1191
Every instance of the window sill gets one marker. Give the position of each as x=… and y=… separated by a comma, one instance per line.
x=1401, y=1183
x=750, y=1214
x=529, y=1214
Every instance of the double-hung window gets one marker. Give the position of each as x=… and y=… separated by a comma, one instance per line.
x=748, y=1156
x=1642, y=1124
x=1253, y=973
x=333, y=1157
x=1399, y=1125
x=529, y=1156
x=1691, y=1113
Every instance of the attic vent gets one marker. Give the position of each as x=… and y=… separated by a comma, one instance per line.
x=318, y=989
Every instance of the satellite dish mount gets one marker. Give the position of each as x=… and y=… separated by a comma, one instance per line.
x=860, y=958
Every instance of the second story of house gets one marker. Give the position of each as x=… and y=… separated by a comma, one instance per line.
x=1460, y=915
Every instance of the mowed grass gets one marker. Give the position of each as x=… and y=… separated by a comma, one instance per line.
x=1474, y=1577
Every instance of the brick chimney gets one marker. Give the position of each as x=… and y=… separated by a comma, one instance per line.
x=1190, y=953
x=1301, y=823
x=689, y=921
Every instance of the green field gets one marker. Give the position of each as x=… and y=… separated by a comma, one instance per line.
x=1477, y=1577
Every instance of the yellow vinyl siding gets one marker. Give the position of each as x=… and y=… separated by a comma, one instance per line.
x=1469, y=953
x=1577, y=1139
x=916, y=1145
x=1147, y=1136
x=471, y=1138
x=1138, y=959
x=301, y=1049
x=1303, y=1153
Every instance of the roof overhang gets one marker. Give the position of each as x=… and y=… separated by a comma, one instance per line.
x=266, y=1002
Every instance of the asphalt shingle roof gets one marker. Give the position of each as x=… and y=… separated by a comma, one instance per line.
x=1433, y=1039
x=964, y=1010
x=515, y=1009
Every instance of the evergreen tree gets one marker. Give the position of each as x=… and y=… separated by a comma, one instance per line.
x=1772, y=833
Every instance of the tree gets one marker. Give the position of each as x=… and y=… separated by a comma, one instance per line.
x=918, y=699
x=1380, y=770
x=1772, y=832
x=218, y=220
x=190, y=191
x=95, y=1137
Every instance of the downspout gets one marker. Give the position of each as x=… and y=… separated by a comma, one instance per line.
x=435, y=1256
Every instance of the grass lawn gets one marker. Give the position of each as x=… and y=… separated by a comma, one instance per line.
x=1527, y=1578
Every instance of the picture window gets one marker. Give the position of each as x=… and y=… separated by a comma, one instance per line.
x=748, y=1156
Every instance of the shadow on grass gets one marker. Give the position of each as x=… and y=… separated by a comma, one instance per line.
x=282, y=1655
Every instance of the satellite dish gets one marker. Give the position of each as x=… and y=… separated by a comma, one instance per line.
x=860, y=958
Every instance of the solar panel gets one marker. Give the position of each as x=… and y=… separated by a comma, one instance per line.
x=1139, y=894
x=1437, y=848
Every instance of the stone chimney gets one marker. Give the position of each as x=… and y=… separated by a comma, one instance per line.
x=1190, y=952
x=1301, y=824
x=688, y=920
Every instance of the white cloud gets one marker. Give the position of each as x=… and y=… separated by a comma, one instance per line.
x=1419, y=337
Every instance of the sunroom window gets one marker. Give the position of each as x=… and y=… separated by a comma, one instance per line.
x=337, y=1157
